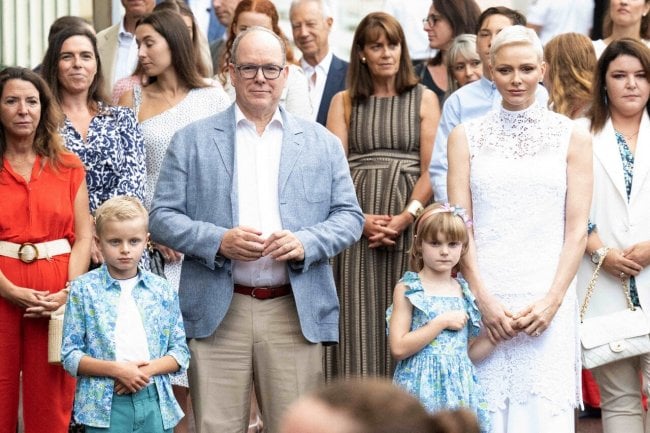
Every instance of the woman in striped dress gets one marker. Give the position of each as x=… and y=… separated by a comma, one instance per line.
x=386, y=123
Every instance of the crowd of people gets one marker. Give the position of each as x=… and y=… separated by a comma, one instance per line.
x=228, y=225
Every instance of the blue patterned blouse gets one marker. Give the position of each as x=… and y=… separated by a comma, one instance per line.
x=627, y=158
x=113, y=154
x=89, y=330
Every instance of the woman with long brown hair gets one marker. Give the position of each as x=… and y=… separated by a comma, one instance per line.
x=386, y=122
x=45, y=236
x=199, y=45
x=619, y=236
x=106, y=138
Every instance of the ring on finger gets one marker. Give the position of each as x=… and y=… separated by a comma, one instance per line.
x=622, y=275
x=536, y=334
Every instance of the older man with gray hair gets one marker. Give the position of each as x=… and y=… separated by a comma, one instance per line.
x=311, y=23
x=259, y=201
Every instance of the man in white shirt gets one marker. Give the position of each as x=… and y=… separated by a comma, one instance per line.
x=551, y=17
x=118, y=51
x=258, y=200
x=311, y=23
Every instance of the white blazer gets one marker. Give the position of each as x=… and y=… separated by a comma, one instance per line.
x=619, y=224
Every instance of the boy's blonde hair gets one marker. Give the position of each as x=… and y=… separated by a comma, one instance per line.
x=435, y=220
x=120, y=208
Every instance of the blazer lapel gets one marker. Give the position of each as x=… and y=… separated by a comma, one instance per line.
x=292, y=145
x=641, y=158
x=606, y=151
x=225, y=139
x=335, y=82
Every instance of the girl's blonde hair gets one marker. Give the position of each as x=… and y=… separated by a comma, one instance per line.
x=435, y=220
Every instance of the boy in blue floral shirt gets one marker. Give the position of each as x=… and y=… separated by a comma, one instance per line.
x=123, y=332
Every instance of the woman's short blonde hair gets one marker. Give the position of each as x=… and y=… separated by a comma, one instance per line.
x=517, y=35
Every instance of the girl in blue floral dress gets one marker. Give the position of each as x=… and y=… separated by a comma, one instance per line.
x=434, y=316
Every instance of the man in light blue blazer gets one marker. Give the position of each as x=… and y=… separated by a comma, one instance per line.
x=258, y=201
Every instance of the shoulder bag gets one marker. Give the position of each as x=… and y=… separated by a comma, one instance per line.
x=615, y=336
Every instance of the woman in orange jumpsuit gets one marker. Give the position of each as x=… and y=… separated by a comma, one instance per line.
x=45, y=235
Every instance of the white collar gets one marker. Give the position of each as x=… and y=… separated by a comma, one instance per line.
x=241, y=117
x=123, y=31
x=323, y=66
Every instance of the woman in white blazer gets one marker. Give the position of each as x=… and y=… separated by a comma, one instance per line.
x=620, y=211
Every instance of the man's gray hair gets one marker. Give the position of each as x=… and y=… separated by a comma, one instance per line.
x=325, y=9
x=241, y=35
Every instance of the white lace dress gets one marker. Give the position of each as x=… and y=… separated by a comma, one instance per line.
x=158, y=131
x=518, y=184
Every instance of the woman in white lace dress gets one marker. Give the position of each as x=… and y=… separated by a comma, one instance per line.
x=525, y=175
x=175, y=96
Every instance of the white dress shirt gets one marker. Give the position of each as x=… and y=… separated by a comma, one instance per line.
x=127, y=54
x=257, y=167
x=317, y=88
x=130, y=336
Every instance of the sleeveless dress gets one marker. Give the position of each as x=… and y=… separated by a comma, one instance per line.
x=384, y=159
x=441, y=375
x=518, y=183
x=157, y=132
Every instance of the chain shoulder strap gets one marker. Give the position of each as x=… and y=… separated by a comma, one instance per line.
x=592, y=285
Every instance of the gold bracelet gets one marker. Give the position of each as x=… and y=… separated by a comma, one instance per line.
x=415, y=208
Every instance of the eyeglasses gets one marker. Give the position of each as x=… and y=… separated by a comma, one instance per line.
x=431, y=20
x=249, y=71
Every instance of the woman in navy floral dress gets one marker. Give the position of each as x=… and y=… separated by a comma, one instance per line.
x=106, y=138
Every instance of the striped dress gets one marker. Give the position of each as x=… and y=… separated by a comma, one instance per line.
x=384, y=158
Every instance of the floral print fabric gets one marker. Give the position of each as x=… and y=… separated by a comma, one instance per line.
x=89, y=330
x=113, y=154
x=441, y=375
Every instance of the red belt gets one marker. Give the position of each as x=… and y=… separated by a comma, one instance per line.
x=264, y=292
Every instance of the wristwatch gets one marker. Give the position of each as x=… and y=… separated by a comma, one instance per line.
x=415, y=208
x=599, y=254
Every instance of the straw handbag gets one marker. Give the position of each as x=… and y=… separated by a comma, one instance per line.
x=615, y=336
x=55, y=336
